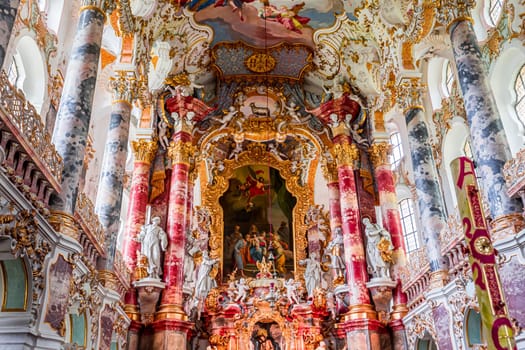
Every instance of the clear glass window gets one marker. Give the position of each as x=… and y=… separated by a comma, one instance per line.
x=519, y=88
x=397, y=150
x=408, y=220
x=495, y=8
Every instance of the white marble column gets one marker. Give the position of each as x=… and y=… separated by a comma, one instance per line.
x=111, y=184
x=74, y=113
x=8, y=10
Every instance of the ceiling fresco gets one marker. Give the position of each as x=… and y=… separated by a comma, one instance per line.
x=264, y=22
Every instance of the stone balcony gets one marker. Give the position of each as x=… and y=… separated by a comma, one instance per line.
x=26, y=152
x=514, y=172
x=417, y=279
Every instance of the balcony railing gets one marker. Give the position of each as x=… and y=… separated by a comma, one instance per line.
x=91, y=226
x=24, y=122
x=514, y=172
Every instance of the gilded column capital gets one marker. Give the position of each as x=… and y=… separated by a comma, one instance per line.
x=410, y=93
x=379, y=153
x=449, y=12
x=124, y=86
x=329, y=169
x=104, y=6
x=181, y=152
x=144, y=150
x=346, y=153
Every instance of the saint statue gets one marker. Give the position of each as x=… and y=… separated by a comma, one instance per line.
x=335, y=251
x=154, y=240
x=205, y=280
x=378, y=249
x=312, y=273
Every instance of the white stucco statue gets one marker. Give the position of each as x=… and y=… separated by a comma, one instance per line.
x=205, y=281
x=154, y=241
x=312, y=273
x=378, y=249
x=242, y=291
x=335, y=250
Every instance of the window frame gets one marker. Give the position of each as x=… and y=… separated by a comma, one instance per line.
x=411, y=238
x=397, y=153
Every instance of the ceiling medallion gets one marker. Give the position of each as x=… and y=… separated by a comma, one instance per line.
x=260, y=63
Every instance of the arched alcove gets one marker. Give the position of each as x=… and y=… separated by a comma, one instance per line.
x=31, y=70
x=502, y=79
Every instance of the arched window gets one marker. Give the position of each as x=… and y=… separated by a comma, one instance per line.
x=408, y=220
x=397, y=149
x=519, y=88
x=448, y=78
x=473, y=329
x=495, y=8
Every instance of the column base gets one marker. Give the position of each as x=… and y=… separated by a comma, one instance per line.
x=506, y=226
x=366, y=334
x=171, y=334
x=360, y=312
x=399, y=311
x=171, y=312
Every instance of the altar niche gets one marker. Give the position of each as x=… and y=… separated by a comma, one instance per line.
x=258, y=222
x=267, y=336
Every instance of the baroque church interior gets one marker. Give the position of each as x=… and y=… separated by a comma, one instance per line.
x=262, y=174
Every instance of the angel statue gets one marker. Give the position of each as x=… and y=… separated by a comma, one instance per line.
x=154, y=240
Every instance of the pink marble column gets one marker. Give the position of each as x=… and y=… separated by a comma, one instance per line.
x=144, y=151
x=334, y=197
x=177, y=226
x=385, y=182
x=356, y=273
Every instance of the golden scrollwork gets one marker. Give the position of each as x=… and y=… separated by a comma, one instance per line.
x=257, y=154
x=181, y=152
x=345, y=153
x=329, y=169
x=311, y=340
x=260, y=63
x=219, y=340
x=379, y=153
x=144, y=150
x=409, y=93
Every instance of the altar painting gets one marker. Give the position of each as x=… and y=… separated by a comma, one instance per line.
x=258, y=224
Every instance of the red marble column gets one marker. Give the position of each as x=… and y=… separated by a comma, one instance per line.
x=357, y=276
x=334, y=197
x=171, y=317
x=144, y=152
x=179, y=152
x=385, y=182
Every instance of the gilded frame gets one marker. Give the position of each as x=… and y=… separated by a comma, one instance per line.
x=256, y=154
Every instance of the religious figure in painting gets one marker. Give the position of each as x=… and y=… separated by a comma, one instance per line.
x=263, y=341
x=239, y=252
x=288, y=17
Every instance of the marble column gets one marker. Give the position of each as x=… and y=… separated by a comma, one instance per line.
x=171, y=320
x=179, y=152
x=356, y=273
x=334, y=197
x=144, y=152
x=386, y=188
x=74, y=112
x=429, y=195
x=488, y=141
x=8, y=11
x=111, y=183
